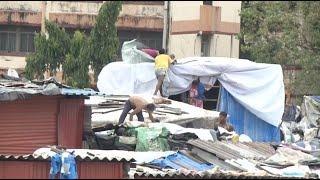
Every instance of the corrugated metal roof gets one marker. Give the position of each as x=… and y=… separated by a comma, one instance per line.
x=227, y=151
x=78, y=157
x=107, y=155
x=12, y=89
x=80, y=92
x=43, y=154
x=91, y=155
x=145, y=172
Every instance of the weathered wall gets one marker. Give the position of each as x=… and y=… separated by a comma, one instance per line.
x=12, y=62
x=229, y=10
x=221, y=46
x=190, y=18
x=185, y=10
x=184, y=45
x=137, y=16
x=21, y=5
x=79, y=14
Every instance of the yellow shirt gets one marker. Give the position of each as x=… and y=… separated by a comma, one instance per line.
x=163, y=61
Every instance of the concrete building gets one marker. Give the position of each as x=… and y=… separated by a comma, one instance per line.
x=19, y=20
x=190, y=28
x=204, y=28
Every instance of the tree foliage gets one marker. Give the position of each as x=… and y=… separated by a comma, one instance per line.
x=286, y=33
x=103, y=41
x=76, y=67
x=75, y=53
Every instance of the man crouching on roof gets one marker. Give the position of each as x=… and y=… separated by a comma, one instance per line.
x=137, y=104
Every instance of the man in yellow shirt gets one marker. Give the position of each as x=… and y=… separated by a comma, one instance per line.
x=162, y=63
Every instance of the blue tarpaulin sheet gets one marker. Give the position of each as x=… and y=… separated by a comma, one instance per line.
x=245, y=122
x=316, y=98
x=179, y=161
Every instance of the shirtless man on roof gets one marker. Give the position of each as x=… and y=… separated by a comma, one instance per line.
x=138, y=104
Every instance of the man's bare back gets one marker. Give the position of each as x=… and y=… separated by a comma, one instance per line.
x=138, y=102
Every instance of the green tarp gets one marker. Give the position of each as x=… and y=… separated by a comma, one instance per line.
x=152, y=139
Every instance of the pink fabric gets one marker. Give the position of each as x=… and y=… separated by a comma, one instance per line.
x=193, y=100
x=152, y=52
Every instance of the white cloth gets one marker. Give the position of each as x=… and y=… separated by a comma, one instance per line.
x=258, y=87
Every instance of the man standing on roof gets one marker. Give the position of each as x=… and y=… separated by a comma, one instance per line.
x=137, y=104
x=162, y=63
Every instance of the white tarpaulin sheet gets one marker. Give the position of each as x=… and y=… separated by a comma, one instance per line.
x=119, y=78
x=258, y=87
x=132, y=55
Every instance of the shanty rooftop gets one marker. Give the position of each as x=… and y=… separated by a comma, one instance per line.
x=16, y=88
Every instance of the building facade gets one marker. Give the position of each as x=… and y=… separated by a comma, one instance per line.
x=190, y=28
x=19, y=20
x=204, y=28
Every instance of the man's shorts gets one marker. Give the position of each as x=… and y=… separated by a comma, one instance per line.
x=160, y=72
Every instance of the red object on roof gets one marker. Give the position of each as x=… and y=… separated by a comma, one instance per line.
x=152, y=52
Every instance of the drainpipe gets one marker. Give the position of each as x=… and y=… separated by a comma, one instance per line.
x=43, y=16
x=165, y=25
x=168, y=24
x=231, y=46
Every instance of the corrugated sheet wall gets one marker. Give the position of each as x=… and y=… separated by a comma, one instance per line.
x=245, y=122
x=70, y=123
x=28, y=124
x=40, y=170
x=100, y=170
x=24, y=170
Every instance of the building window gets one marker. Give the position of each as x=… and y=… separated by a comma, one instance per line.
x=207, y=3
x=27, y=42
x=17, y=40
x=205, y=45
x=8, y=41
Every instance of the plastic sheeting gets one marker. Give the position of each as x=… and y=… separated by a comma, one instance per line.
x=311, y=112
x=258, y=87
x=245, y=122
x=203, y=134
x=119, y=78
x=152, y=139
x=131, y=54
x=178, y=161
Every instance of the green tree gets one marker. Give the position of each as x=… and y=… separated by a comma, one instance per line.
x=50, y=52
x=286, y=33
x=36, y=62
x=75, y=54
x=75, y=68
x=103, y=42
